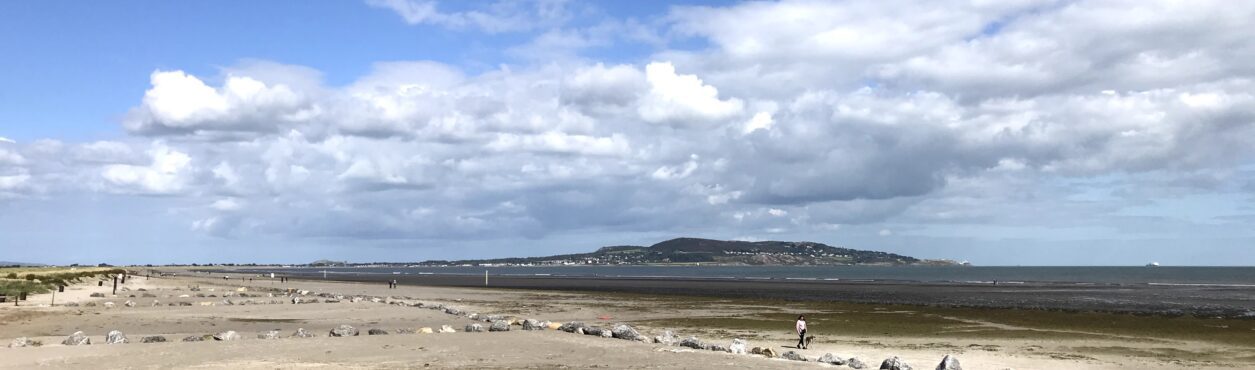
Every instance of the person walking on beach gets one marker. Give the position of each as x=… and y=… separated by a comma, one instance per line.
x=801, y=331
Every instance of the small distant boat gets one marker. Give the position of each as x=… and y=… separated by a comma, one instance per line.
x=1152, y=264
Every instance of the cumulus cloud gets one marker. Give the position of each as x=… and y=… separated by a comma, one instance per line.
x=504, y=16
x=794, y=117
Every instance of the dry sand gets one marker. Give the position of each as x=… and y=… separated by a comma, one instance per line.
x=514, y=349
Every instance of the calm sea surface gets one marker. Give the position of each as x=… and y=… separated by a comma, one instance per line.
x=1222, y=276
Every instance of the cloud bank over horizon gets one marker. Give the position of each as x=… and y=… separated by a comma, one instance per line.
x=1000, y=132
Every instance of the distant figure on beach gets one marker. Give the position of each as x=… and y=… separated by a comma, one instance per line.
x=801, y=331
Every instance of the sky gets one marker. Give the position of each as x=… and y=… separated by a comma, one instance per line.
x=1026, y=132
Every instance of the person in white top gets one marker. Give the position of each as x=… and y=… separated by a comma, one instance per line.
x=801, y=331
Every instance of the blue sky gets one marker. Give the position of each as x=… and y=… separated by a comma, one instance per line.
x=287, y=131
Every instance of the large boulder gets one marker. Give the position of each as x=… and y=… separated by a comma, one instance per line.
x=116, y=337
x=829, y=358
x=949, y=363
x=454, y=311
x=273, y=334
x=667, y=338
x=24, y=342
x=446, y=329
x=302, y=333
x=894, y=363
x=593, y=330
x=624, y=331
x=694, y=343
x=790, y=355
x=766, y=352
x=855, y=363
x=152, y=339
x=738, y=346
x=473, y=328
x=531, y=324
x=571, y=327
x=77, y=339
x=499, y=325
x=227, y=335
x=344, y=331
x=719, y=348
x=376, y=331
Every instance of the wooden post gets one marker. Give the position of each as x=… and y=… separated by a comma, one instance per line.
x=115, y=284
x=485, y=277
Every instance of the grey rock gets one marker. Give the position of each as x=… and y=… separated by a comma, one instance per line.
x=570, y=327
x=302, y=333
x=24, y=342
x=855, y=363
x=185, y=304
x=606, y=333
x=894, y=363
x=194, y=338
x=791, y=355
x=624, y=331
x=593, y=330
x=530, y=324
x=90, y=304
x=71, y=304
x=97, y=295
x=152, y=339
x=718, y=348
x=109, y=304
x=694, y=343
x=405, y=331
x=77, y=339
x=667, y=338
x=949, y=363
x=273, y=334
x=829, y=358
x=375, y=331
x=331, y=300
x=344, y=331
x=473, y=316
x=129, y=303
x=227, y=335
x=473, y=328
x=499, y=325
x=446, y=329
x=116, y=337
x=454, y=311
x=739, y=346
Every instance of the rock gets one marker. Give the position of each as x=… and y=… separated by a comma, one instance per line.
x=553, y=325
x=152, y=339
x=425, y=330
x=331, y=300
x=593, y=330
x=491, y=318
x=738, y=346
x=894, y=363
x=570, y=327
x=473, y=316
x=375, y=331
x=24, y=342
x=473, y=328
x=624, y=331
x=273, y=334
x=454, y=311
x=500, y=325
x=227, y=335
x=404, y=331
x=90, y=304
x=302, y=333
x=115, y=337
x=71, y=304
x=344, y=331
x=185, y=304
x=667, y=338
x=148, y=295
x=694, y=343
x=376, y=300
x=530, y=324
x=718, y=348
x=949, y=363
x=129, y=303
x=829, y=358
x=790, y=355
x=769, y=353
x=156, y=303
x=855, y=363
x=447, y=329
x=109, y=305
x=77, y=339
x=296, y=300
x=97, y=295
x=194, y=338
x=228, y=302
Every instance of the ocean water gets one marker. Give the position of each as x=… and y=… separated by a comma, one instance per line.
x=1168, y=275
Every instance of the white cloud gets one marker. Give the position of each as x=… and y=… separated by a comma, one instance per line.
x=505, y=16
x=683, y=99
x=167, y=174
x=180, y=102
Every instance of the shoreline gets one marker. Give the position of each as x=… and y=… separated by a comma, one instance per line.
x=1168, y=300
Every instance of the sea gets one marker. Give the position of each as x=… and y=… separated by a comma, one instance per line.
x=1104, y=275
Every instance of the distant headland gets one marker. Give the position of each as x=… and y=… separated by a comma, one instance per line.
x=708, y=251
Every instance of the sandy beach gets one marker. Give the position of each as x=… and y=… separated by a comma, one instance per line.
x=921, y=337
